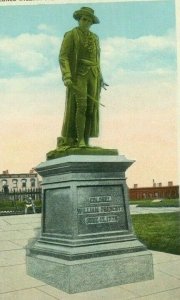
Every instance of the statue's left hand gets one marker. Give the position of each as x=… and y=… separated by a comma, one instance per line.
x=104, y=85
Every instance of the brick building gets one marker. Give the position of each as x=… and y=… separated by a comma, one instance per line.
x=157, y=191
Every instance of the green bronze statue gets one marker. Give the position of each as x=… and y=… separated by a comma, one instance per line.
x=79, y=60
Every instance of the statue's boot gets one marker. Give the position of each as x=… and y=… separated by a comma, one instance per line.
x=87, y=131
x=80, y=123
x=82, y=144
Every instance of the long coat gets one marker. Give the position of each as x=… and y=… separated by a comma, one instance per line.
x=68, y=59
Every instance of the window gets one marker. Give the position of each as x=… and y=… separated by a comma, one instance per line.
x=15, y=182
x=144, y=196
x=5, y=186
x=156, y=195
x=4, y=182
x=32, y=182
x=24, y=182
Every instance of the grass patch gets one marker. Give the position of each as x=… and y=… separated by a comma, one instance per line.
x=159, y=232
x=11, y=205
x=149, y=203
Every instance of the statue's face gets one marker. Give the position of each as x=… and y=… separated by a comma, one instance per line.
x=85, y=22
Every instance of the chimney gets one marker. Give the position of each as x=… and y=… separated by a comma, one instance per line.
x=5, y=172
x=31, y=171
x=135, y=186
x=154, y=184
x=170, y=183
x=160, y=184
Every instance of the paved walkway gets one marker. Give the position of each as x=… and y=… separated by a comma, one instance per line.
x=152, y=210
x=16, y=285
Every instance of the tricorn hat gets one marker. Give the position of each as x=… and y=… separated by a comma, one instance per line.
x=87, y=11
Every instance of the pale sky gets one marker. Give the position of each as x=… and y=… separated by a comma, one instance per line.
x=138, y=59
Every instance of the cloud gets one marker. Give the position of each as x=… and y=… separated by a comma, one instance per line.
x=46, y=29
x=43, y=82
x=29, y=52
x=144, y=57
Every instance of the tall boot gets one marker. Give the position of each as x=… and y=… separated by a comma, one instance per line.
x=80, y=124
x=87, y=131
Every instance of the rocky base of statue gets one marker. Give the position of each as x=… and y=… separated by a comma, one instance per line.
x=71, y=148
x=87, y=240
x=67, y=150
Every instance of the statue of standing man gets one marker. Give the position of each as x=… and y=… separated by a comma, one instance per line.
x=79, y=60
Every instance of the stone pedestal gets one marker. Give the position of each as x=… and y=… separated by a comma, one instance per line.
x=87, y=241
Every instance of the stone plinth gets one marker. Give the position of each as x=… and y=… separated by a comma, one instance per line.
x=87, y=240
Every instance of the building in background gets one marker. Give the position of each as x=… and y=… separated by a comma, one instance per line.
x=15, y=182
x=157, y=191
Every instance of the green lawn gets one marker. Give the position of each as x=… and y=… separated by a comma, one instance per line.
x=13, y=206
x=159, y=232
x=149, y=203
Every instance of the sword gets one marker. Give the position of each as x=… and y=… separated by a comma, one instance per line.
x=89, y=96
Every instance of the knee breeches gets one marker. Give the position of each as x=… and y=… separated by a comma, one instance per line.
x=86, y=85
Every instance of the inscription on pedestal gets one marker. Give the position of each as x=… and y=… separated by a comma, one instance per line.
x=101, y=208
x=101, y=219
x=101, y=199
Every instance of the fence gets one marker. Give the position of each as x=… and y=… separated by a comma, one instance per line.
x=21, y=195
x=13, y=202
